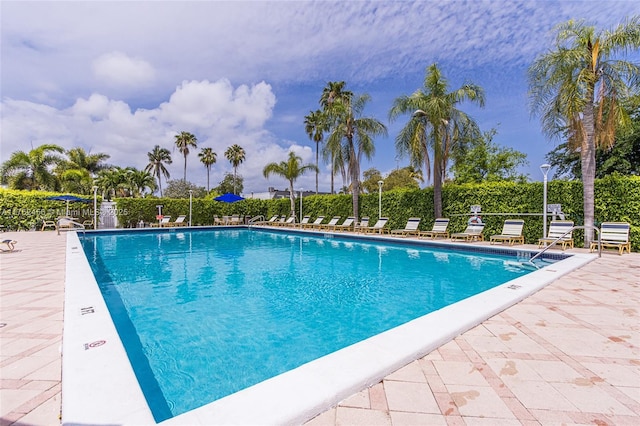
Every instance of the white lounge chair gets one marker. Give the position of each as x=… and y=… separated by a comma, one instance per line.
x=333, y=222
x=559, y=232
x=179, y=221
x=163, y=222
x=439, y=229
x=473, y=232
x=378, y=227
x=511, y=233
x=360, y=226
x=346, y=225
x=614, y=235
x=315, y=223
x=411, y=228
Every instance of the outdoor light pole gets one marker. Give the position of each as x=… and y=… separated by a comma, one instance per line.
x=545, y=170
x=380, y=182
x=95, y=207
x=190, y=204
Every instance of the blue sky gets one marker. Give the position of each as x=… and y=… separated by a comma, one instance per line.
x=120, y=77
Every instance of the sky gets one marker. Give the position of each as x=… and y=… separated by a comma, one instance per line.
x=119, y=77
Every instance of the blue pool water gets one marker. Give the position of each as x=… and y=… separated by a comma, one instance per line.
x=203, y=314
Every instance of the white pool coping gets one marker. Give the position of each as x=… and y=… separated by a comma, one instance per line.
x=100, y=387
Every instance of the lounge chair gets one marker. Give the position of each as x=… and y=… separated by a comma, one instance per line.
x=439, y=229
x=48, y=224
x=315, y=223
x=305, y=220
x=333, y=222
x=614, y=235
x=235, y=219
x=557, y=231
x=378, y=227
x=10, y=246
x=511, y=233
x=346, y=225
x=360, y=226
x=411, y=228
x=163, y=222
x=179, y=221
x=473, y=232
x=272, y=220
x=290, y=221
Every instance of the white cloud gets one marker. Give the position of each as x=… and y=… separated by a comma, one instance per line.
x=118, y=69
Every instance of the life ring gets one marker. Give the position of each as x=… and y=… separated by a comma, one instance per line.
x=474, y=220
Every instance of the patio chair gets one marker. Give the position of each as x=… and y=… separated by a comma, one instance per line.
x=235, y=219
x=473, y=232
x=315, y=223
x=378, y=227
x=511, y=233
x=557, y=231
x=163, y=222
x=179, y=221
x=346, y=225
x=614, y=235
x=364, y=223
x=10, y=246
x=439, y=229
x=411, y=228
x=305, y=220
x=333, y=222
x=289, y=221
x=48, y=224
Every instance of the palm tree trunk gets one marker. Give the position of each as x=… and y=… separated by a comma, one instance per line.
x=185, y=168
x=588, y=163
x=317, y=146
x=437, y=188
x=235, y=174
x=292, y=199
x=208, y=172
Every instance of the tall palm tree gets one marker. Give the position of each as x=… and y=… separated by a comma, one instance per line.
x=435, y=124
x=315, y=124
x=576, y=88
x=334, y=97
x=78, y=158
x=158, y=158
x=113, y=181
x=33, y=170
x=290, y=170
x=208, y=157
x=183, y=141
x=351, y=134
x=235, y=154
x=139, y=181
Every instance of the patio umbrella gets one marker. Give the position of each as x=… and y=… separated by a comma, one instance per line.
x=68, y=199
x=228, y=198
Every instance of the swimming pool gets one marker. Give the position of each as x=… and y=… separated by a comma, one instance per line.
x=184, y=257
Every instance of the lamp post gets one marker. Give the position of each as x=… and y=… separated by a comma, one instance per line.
x=95, y=207
x=190, y=204
x=300, y=206
x=380, y=182
x=545, y=170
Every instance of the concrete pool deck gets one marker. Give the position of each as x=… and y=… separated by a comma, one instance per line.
x=568, y=354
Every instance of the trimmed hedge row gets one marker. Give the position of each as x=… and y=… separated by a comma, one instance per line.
x=617, y=199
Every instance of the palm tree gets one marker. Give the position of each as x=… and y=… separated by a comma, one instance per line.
x=235, y=154
x=32, y=170
x=333, y=96
x=351, y=135
x=290, y=170
x=208, y=158
x=315, y=124
x=139, y=181
x=183, y=141
x=435, y=125
x=113, y=181
x=78, y=158
x=158, y=157
x=576, y=88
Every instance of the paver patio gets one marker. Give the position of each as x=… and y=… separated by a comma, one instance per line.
x=569, y=354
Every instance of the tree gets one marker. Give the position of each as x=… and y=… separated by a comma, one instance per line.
x=483, y=160
x=230, y=183
x=114, y=182
x=315, y=124
x=436, y=125
x=33, y=170
x=158, y=159
x=405, y=177
x=77, y=172
x=235, y=154
x=208, y=158
x=78, y=158
x=333, y=99
x=183, y=141
x=576, y=89
x=370, y=179
x=179, y=188
x=352, y=135
x=139, y=181
x=290, y=170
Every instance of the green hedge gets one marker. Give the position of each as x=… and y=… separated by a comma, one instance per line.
x=617, y=199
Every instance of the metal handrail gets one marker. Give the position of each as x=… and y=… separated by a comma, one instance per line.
x=255, y=218
x=562, y=236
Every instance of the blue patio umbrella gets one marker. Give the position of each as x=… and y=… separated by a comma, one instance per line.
x=229, y=198
x=68, y=199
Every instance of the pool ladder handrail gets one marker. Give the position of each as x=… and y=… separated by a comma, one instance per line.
x=562, y=236
x=256, y=218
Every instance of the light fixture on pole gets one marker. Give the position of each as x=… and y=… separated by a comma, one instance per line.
x=300, y=206
x=95, y=207
x=190, y=204
x=545, y=170
x=380, y=182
